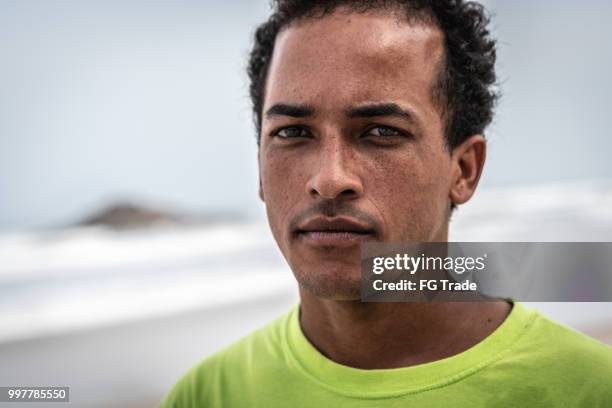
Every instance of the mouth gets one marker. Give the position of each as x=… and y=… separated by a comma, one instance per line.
x=323, y=231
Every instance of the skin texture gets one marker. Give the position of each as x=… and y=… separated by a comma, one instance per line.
x=329, y=150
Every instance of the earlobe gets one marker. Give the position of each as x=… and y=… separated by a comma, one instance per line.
x=468, y=163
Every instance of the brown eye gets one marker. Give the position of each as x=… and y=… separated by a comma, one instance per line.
x=291, y=132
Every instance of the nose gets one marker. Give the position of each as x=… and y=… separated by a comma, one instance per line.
x=335, y=176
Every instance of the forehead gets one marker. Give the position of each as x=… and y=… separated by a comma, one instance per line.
x=346, y=58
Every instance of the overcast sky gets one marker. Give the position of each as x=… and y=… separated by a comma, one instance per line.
x=148, y=100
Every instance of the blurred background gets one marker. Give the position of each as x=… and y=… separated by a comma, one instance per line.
x=132, y=242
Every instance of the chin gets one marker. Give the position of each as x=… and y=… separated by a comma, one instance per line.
x=334, y=284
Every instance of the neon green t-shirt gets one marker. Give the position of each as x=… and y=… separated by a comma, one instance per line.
x=529, y=361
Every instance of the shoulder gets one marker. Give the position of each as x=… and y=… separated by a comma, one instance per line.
x=556, y=340
x=564, y=357
x=207, y=380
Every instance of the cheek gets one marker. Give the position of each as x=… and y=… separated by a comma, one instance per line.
x=282, y=185
x=411, y=193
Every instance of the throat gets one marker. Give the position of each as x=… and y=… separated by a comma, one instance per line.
x=395, y=335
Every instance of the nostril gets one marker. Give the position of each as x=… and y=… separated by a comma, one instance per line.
x=349, y=192
x=346, y=194
x=334, y=184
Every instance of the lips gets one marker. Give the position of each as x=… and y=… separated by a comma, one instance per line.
x=337, y=231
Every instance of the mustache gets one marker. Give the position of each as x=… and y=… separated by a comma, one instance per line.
x=334, y=208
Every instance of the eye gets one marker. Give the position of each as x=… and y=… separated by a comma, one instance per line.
x=384, y=131
x=291, y=132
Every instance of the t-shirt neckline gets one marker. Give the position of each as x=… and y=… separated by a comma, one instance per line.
x=386, y=383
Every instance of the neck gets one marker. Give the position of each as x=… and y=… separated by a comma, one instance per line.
x=393, y=335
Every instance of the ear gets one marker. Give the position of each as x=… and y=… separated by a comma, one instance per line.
x=468, y=161
x=261, y=194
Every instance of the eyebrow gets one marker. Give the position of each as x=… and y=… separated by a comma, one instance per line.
x=365, y=111
x=295, y=111
x=381, y=109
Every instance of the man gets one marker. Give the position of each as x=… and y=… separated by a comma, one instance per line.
x=370, y=118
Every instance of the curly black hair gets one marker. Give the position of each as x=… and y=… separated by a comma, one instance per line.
x=466, y=87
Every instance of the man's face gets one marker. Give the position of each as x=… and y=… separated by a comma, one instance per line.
x=352, y=144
